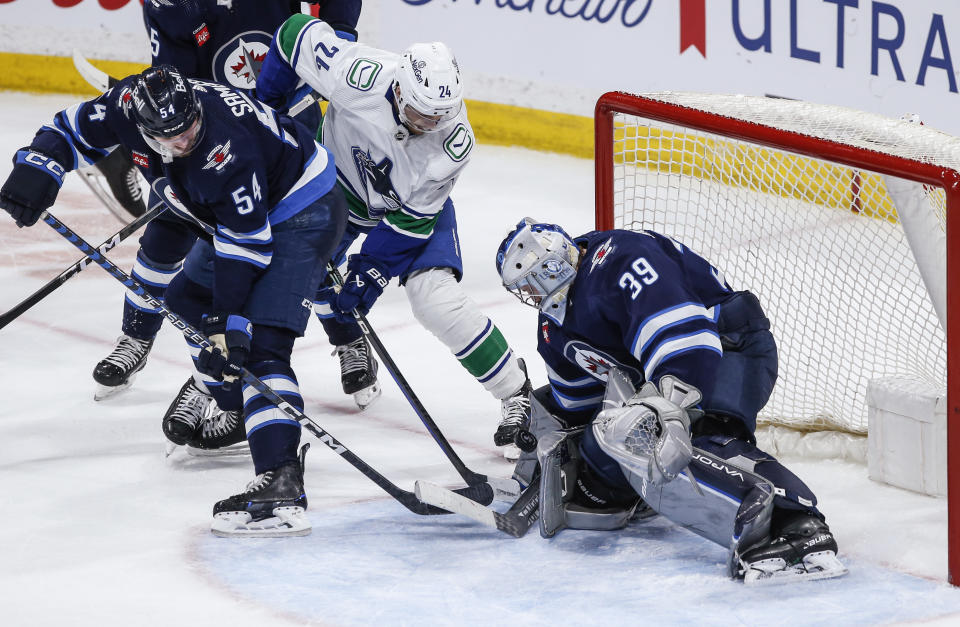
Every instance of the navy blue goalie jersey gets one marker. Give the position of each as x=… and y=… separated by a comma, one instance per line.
x=251, y=169
x=640, y=302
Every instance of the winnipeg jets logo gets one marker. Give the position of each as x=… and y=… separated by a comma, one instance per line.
x=601, y=255
x=596, y=363
x=377, y=177
x=219, y=157
x=237, y=62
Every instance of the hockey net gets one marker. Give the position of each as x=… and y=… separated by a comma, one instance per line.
x=789, y=200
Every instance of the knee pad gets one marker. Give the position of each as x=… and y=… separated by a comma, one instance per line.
x=440, y=305
x=167, y=239
x=188, y=300
x=789, y=491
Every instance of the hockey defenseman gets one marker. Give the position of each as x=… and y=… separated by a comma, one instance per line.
x=262, y=193
x=398, y=128
x=622, y=310
x=223, y=42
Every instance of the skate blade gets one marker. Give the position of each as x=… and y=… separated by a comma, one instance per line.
x=234, y=450
x=169, y=448
x=286, y=521
x=815, y=566
x=511, y=452
x=106, y=391
x=365, y=397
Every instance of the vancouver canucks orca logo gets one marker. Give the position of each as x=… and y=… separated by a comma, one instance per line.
x=597, y=363
x=238, y=61
x=377, y=177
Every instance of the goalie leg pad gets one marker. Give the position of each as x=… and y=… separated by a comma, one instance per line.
x=542, y=422
x=560, y=462
x=442, y=307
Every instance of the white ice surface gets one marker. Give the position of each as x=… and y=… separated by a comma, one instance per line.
x=97, y=528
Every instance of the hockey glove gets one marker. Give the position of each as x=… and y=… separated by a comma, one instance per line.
x=230, y=335
x=365, y=280
x=32, y=186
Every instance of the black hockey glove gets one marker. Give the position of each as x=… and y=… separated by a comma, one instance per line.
x=230, y=335
x=32, y=186
x=365, y=280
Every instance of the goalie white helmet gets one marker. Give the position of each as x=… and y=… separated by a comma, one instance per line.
x=537, y=263
x=428, y=88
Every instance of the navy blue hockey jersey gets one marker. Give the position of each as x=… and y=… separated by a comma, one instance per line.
x=252, y=169
x=219, y=40
x=226, y=40
x=641, y=302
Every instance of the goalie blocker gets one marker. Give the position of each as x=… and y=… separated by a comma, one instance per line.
x=765, y=516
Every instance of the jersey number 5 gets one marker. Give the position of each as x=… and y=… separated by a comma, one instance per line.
x=242, y=198
x=647, y=276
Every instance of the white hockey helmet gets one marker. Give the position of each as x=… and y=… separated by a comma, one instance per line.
x=428, y=88
x=537, y=263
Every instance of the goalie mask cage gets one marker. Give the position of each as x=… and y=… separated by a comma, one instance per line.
x=790, y=200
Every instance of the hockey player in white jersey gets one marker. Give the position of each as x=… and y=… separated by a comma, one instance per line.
x=399, y=132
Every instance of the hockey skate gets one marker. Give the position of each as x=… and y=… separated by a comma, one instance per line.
x=358, y=372
x=273, y=505
x=116, y=371
x=121, y=176
x=514, y=417
x=220, y=433
x=182, y=420
x=803, y=548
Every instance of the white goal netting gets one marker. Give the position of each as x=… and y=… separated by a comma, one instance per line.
x=820, y=243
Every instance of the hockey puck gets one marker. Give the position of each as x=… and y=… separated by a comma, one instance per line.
x=525, y=441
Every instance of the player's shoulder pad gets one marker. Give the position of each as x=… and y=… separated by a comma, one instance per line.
x=610, y=250
x=290, y=30
x=121, y=95
x=458, y=141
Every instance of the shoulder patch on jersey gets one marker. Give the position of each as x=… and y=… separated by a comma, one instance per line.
x=141, y=159
x=363, y=73
x=601, y=254
x=237, y=63
x=201, y=34
x=219, y=157
x=458, y=143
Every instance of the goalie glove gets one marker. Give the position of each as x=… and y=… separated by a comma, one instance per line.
x=649, y=434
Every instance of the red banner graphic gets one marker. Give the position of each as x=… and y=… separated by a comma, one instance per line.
x=109, y=5
x=693, y=25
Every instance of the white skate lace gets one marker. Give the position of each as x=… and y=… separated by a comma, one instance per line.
x=133, y=184
x=128, y=352
x=191, y=406
x=259, y=482
x=353, y=357
x=514, y=410
x=220, y=424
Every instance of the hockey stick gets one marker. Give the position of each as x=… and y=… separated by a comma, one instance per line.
x=17, y=310
x=504, y=487
x=406, y=498
x=101, y=81
x=515, y=522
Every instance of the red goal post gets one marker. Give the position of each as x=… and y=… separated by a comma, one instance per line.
x=791, y=201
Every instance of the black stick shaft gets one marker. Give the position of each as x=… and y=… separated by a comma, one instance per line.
x=468, y=475
x=19, y=309
x=406, y=498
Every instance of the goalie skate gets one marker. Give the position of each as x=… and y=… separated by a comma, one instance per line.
x=117, y=371
x=804, y=549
